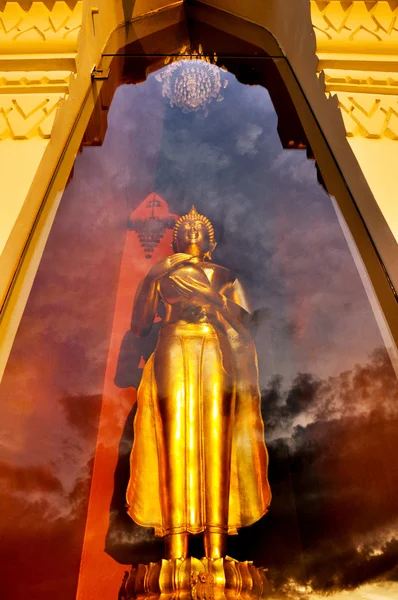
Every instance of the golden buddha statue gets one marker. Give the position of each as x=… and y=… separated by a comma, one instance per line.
x=199, y=461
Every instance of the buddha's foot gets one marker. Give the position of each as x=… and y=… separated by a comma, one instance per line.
x=203, y=579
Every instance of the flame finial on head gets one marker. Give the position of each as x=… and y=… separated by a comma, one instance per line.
x=193, y=215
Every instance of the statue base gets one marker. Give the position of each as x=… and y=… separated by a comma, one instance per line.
x=204, y=579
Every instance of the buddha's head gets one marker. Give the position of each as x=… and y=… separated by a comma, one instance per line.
x=194, y=234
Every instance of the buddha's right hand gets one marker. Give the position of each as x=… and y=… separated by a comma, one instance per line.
x=165, y=265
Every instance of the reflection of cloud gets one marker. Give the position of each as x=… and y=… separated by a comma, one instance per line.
x=185, y=153
x=41, y=529
x=344, y=481
x=28, y=479
x=246, y=141
x=45, y=487
x=81, y=413
x=292, y=166
x=373, y=591
x=368, y=389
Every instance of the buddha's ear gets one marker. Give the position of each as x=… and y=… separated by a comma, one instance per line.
x=174, y=246
x=210, y=250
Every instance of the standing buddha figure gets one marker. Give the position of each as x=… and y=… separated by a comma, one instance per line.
x=199, y=461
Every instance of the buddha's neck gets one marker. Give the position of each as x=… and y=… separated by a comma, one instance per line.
x=197, y=259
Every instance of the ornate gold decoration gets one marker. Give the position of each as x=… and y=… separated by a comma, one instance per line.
x=34, y=27
x=202, y=586
x=44, y=35
x=374, y=82
x=192, y=80
x=370, y=116
x=202, y=579
x=357, y=47
x=25, y=116
x=358, y=22
x=32, y=82
x=193, y=215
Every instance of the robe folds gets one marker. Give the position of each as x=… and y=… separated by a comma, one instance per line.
x=198, y=461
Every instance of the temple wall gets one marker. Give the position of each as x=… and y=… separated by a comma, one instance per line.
x=343, y=54
x=357, y=47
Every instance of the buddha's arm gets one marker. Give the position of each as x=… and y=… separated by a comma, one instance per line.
x=147, y=297
x=145, y=307
x=235, y=310
x=228, y=301
x=235, y=303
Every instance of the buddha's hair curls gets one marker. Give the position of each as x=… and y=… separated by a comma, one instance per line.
x=193, y=215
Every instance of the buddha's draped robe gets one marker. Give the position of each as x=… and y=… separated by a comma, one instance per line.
x=199, y=460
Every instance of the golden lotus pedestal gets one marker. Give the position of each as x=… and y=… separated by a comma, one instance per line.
x=203, y=579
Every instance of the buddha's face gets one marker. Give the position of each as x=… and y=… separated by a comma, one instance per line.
x=193, y=238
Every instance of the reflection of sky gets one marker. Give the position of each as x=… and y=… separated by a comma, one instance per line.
x=329, y=423
x=275, y=224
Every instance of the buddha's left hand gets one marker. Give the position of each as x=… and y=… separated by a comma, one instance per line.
x=197, y=291
x=200, y=293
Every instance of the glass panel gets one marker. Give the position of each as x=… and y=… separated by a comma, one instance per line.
x=328, y=390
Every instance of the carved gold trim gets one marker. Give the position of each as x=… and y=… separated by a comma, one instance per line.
x=197, y=579
x=357, y=47
x=357, y=26
x=27, y=115
x=370, y=116
x=16, y=82
x=375, y=82
x=32, y=27
x=38, y=47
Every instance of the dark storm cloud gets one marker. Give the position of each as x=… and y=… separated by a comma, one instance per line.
x=43, y=526
x=44, y=506
x=333, y=522
x=346, y=487
x=28, y=479
x=368, y=388
x=282, y=407
x=82, y=414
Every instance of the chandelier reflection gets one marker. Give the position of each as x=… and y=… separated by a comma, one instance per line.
x=192, y=81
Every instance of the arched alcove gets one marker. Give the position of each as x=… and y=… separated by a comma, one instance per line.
x=260, y=63
x=238, y=53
